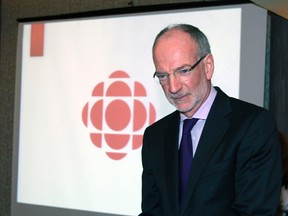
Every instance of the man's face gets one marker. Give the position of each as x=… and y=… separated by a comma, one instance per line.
x=176, y=50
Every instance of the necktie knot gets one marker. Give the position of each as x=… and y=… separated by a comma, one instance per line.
x=188, y=125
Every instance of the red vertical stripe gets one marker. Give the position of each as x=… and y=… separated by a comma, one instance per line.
x=37, y=39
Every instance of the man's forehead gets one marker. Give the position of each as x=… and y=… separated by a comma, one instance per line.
x=175, y=39
x=175, y=32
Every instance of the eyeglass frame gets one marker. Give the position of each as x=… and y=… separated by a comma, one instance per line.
x=156, y=78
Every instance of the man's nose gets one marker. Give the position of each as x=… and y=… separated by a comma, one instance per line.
x=174, y=84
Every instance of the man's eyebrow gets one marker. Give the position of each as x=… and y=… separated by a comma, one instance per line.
x=176, y=69
x=182, y=67
x=160, y=72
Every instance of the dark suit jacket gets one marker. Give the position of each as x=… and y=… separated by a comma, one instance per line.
x=236, y=169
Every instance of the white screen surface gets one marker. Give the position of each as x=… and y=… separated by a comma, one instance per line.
x=60, y=162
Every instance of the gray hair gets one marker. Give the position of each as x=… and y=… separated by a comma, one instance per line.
x=197, y=35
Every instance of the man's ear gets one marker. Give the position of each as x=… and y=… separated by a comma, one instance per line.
x=209, y=66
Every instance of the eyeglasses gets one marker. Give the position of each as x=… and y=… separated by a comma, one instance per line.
x=182, y=74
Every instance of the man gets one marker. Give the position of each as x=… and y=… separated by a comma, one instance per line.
x=236, y=165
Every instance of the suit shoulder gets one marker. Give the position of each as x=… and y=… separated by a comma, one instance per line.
x=238, y=109
x=163, y=122
x=245, y=106
x=245, y=110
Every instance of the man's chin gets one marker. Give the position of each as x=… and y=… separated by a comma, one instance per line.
x=183, y=109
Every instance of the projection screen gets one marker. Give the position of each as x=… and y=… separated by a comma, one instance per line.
x=85, y=94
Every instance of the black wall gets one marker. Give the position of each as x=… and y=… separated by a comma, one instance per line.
x=278, y=99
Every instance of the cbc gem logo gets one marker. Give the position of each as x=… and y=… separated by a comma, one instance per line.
x=117, y=114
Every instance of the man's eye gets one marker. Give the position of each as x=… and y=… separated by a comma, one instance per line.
x=162, y=76
x=183, y=71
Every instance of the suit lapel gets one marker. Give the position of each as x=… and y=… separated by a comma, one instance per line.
x=215, y=127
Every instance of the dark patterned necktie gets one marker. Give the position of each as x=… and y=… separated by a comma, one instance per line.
x=185, y=155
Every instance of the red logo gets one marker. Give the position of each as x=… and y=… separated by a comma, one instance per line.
x=117, y=114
